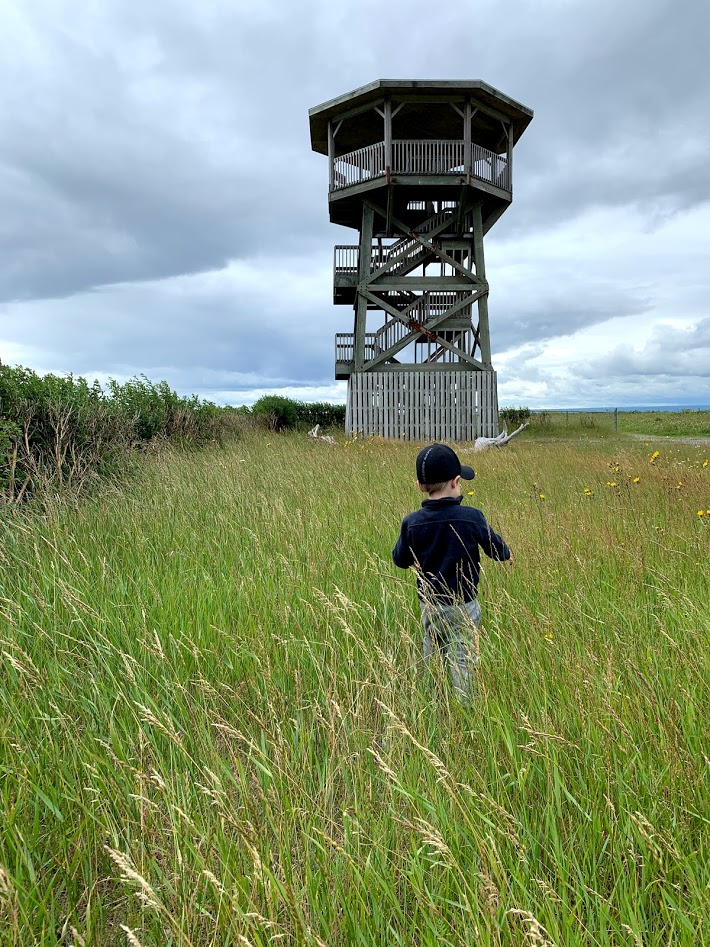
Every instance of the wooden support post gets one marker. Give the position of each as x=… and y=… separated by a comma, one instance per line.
x=331, y=156
x=467, y=150
x=388, y=135
x=479, y=260
x=364, y=265
x=510, y=157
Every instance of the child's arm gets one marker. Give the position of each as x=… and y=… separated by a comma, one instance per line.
x=402, y=553
x=494, y=545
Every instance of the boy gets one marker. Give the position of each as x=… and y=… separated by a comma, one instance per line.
x=441, y=542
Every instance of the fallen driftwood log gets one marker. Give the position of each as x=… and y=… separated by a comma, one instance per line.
x=321, y=437
x=483, y=443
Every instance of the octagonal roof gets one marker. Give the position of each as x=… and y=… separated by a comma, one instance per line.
x=366, y=126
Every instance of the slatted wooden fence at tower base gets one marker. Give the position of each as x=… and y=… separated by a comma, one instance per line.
x=423, y=406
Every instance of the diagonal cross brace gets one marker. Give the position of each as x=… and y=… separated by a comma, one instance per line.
x=390, y=264
x=426, y=327
x=428, y=246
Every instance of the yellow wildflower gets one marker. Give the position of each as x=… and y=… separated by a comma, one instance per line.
x=549, y=636
x=705, y=462
x=636, y=480
x=701, y=512
x=611, y=483
x=470, y=493
x=541, y=496
x=679, y=485
x=588, y=492
x=653, y=456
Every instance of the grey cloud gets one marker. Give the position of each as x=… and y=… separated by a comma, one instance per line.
x=143, y=142
x=557, y=306
x=159, y=140
x=673, y=367
x=670, y=352
x=117, y=173
x=211, y=326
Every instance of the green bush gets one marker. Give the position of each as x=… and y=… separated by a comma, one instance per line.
x=514, y=417
x=61, y=432
x=276, y=412
x=279, y=413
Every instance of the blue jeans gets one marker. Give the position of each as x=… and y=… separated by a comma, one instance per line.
x=452, y=630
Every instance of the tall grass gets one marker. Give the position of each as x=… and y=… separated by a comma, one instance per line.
x=214, y=727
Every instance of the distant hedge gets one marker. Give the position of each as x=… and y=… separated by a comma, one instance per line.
x=61, y=432
x=279, y=413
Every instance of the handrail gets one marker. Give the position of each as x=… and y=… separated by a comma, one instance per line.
x=441, y=156
x=428, y=156
x=359, y=165
x=346, y=259
x=345, y=346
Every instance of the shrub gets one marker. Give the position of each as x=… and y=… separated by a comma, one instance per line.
x=514, y=417
x=61, y=432
x=276, y=412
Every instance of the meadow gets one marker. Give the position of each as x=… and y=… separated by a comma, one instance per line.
x=215, y=728
x=678, y=424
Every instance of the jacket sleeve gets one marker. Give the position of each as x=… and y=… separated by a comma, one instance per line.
x=492, y=544
x=402, y=554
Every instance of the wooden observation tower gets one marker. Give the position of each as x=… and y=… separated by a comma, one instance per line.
x=422, y=170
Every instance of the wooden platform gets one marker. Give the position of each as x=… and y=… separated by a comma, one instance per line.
x=422, y=405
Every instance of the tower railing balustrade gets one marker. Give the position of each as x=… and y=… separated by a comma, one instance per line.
x=420, y=156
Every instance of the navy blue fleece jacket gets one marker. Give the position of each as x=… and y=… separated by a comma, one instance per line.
x=443, y=539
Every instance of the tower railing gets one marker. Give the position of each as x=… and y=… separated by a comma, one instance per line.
x=359, y=166
x=345, y=346
x=427, y=156
x=420, y=156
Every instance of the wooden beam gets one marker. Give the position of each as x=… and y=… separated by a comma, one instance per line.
x=423, y=283
x=437, y=180
x=511, y=134
x=367, y=226
x=404, y=228
x=331, y=154
x=359, y=109
x=480, y=264
x=406, y=231
x=387, y=117
x=420, y=367
x=462, y=353
x=427, y=326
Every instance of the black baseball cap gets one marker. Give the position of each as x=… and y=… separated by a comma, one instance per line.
x=439, y=463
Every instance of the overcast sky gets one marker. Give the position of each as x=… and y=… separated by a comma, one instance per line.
x=161, y=210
